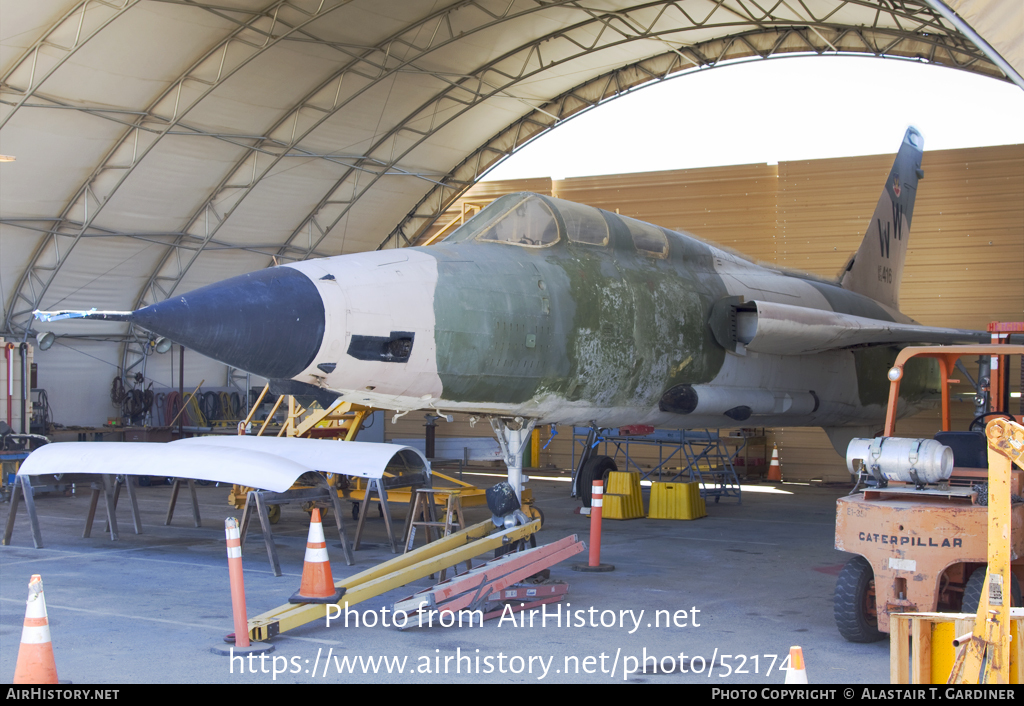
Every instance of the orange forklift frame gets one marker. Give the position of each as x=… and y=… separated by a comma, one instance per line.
x=916, y=547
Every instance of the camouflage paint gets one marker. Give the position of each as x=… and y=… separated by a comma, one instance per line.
x=921, y=382
x=611, y=326
x=608, y=326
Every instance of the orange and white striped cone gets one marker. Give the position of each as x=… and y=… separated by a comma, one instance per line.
x=317, y=582
x=775, y=470
x=35, y=656
x=796, y=674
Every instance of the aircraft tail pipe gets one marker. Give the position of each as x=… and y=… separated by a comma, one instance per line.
x=917, y=461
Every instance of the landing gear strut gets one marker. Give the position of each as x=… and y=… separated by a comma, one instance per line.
x=513, y=435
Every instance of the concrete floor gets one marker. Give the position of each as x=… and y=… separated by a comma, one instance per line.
x=148, y=607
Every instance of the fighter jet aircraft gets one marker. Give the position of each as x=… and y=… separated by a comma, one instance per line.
x=545, y=311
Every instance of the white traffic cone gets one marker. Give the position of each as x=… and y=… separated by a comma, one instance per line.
x=35, y=656
x=317, y=582
x=796, y=674
x=775, y=470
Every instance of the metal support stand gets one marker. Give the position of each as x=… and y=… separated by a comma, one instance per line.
x=108, y=500
x=380, y=486
x=704, y=456
x=375, y=485
x=174, y=500
x=23, y=488
x=513, y=442
x=261, y=498
x=136, y=518
x=431, y=435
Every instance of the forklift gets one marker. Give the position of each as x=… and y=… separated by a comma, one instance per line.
x=917, y=519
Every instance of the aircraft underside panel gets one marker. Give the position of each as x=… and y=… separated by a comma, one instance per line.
x=746, y=393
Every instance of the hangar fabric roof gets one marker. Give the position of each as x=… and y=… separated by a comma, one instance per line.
x=166, y=144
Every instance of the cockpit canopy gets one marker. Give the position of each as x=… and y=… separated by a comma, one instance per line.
x=526, y=220
x=534, y=221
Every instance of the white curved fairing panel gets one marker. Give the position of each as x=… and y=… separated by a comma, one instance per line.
x=350, y=458
x=268, y=463
x=218, y=464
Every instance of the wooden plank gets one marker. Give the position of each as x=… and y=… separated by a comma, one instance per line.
x=921, y=644
x=899, y=650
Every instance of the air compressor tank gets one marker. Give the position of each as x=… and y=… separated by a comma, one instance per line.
x=900, y=459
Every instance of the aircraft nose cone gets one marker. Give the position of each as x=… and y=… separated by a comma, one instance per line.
x=269, y=323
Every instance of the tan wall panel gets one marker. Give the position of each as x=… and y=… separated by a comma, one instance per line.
x=964, y=265
x=730, y=206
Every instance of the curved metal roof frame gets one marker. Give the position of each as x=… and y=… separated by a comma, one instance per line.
x=510, y=70
x=618, y=83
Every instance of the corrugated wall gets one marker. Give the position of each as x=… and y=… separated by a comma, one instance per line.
x=965, y=266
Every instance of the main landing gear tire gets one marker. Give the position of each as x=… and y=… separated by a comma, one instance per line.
x=976, y=584
x=597, y=468
x=854, y=603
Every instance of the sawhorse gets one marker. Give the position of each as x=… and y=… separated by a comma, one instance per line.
x=24, y=488
x=259, y=499
x=380, y=487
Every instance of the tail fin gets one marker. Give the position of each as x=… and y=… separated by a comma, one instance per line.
x=875, y=271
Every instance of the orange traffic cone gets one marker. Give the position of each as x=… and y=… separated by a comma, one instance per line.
x=317, y=581
x=775, y=470
x=796, y=674
x=35, y=656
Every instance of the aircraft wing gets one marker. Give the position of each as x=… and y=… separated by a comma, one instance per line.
x=785, y=329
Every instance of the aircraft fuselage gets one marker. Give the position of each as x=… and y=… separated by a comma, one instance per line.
x=579, y=332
